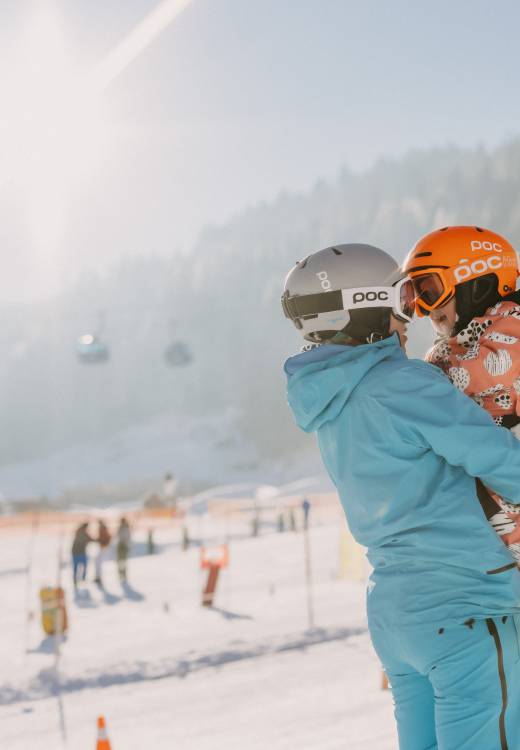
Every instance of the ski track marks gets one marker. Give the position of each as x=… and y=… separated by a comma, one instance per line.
x=46, y=685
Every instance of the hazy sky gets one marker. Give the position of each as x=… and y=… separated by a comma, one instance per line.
x=234, y=101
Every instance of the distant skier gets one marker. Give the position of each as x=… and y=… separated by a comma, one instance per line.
x=403, y=448
x=79, y=553
x=103, y=541
x=475, y=311
x=185, y=538
x=123, y=547
x=306, y=507
x=169, y=491
x=150, y=542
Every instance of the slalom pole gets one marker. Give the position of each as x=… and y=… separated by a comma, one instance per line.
x=57, y=645
x=308, y=576
x=59, y=624
x=28, y=577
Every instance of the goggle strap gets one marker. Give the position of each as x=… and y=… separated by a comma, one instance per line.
x=300, y=306
x=304, y=305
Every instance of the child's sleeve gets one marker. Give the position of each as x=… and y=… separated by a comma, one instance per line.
x=491, y=362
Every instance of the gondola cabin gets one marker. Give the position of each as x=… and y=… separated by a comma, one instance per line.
x=178, y=354
x=91, y=350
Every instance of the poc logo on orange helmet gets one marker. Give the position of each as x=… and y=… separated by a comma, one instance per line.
x=467, y=269
x=490, y=247
x=324, y=281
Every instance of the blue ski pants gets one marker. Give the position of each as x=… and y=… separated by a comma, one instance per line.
x=455, y=687
x=79, y=561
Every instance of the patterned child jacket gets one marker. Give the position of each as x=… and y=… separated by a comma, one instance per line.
x=483, y=360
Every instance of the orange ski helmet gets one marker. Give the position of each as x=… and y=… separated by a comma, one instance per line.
x=473, y=264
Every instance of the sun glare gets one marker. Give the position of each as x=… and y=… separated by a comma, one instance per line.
x=53, y=128
x=51, y=125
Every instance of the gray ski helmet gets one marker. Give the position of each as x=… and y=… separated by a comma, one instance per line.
x=350, y=288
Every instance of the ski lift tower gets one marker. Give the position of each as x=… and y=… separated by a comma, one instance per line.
x=177, y=353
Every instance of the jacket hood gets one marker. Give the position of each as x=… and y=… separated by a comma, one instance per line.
x=320, y=381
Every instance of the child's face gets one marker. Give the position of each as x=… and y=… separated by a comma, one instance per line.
x=443, y=319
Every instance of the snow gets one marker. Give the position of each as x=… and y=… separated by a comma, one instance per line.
x=168, y=673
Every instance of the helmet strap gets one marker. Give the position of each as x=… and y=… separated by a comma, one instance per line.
x=473, y=298
x=368, y=325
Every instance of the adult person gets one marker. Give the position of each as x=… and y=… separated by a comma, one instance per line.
x=464, y=279
x=103, y=539
x=123, y=547
x=79, y=553
x=403, y=447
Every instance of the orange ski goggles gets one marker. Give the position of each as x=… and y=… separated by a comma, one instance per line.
x=432, y=290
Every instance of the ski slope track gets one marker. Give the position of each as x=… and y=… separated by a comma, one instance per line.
x=248, y=673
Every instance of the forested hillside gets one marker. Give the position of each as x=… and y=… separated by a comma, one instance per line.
x=224, y=299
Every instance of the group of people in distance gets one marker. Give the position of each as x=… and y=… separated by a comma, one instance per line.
x=82, y=538
x=426, y=462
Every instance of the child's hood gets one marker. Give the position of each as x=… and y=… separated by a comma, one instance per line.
x=321, y=381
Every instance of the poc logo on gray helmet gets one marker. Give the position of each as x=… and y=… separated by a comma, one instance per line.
x=371, y=296
x=324, y=281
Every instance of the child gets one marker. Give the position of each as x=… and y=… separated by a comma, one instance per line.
x=103, y=541
x=464, y=279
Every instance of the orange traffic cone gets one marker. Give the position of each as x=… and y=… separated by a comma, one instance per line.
x=103, y=743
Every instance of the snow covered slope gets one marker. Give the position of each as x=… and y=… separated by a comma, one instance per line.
x=167, y=673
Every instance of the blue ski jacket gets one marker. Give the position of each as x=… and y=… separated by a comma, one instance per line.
x=403, y=447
